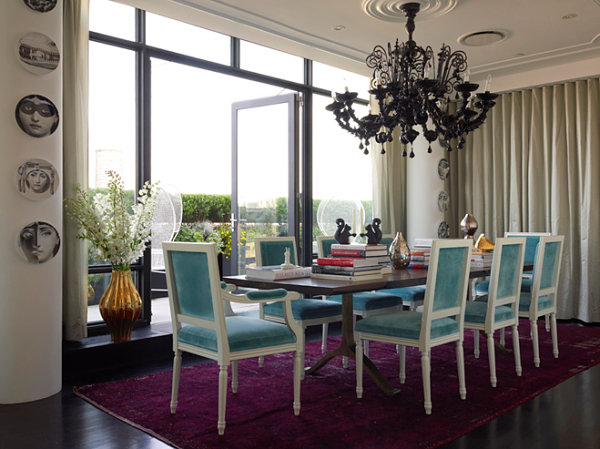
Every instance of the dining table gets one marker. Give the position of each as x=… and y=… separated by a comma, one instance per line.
x=316, y=287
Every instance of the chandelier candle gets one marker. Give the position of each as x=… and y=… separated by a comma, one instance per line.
x=413, y=90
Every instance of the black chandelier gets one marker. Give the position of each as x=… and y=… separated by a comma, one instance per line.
x=413, y=90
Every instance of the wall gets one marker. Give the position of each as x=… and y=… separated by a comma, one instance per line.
x=30, y=294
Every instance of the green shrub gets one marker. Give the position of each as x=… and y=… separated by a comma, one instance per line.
x=199, y=207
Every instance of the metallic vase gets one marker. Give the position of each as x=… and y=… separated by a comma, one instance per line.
x=399, y=252
x=120, y=306
x=468, y=225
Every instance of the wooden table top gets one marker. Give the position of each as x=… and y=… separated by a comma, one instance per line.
x=313, y=286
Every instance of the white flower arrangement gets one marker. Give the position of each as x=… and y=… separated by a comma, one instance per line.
x=117, y=235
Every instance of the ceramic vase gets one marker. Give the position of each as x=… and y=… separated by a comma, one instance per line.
x=120, y=306
x=399, y=252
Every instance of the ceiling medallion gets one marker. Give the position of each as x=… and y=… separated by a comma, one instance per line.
x=412, y=87
x=391, y=10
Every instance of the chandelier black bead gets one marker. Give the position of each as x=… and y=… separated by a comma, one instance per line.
x=412, y=89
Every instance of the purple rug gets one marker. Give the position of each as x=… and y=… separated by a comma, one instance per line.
x=260, y=415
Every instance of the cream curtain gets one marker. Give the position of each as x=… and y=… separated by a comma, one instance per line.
x=389, y=183
x=534, y=166
x=75, y=162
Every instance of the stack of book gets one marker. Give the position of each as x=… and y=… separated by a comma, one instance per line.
x=419, y=253
x=481, y=259
x=275, y=272
x=352, y=262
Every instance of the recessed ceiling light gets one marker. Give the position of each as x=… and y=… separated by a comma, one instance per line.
x=569, y=16
x=482, y=38
x=339, y=28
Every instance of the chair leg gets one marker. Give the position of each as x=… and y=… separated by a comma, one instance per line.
x=324, y=338
x=366, y=348
x=222, y=399
x=402, y=358
x=517, y=350
x=298, y=373
x=476, y=343
x=175, y=385
x=535, y=342
x=460, y=361
x=261, y=361
x=554, y=335
x=359, y=369
x=261, y=315
x=426, y=374
x=492, y=358
x=502, y=338
x=234, y=376
x=547, y=320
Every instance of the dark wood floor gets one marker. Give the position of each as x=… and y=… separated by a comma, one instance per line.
x=567, y=416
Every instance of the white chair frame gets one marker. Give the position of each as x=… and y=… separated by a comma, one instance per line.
x=425, y=342
x=490, y=325
x=537, y=291
x=224, y=356
x=356, y=312
x=303, y=323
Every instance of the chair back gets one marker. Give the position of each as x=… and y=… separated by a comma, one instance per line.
x=447, y=282
x=324, y=243
x=271, y=250
x=547, y=267
x=531, y=244
x=194, y=287
x=505, y=277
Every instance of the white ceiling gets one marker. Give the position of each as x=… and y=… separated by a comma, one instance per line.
x=538, y=34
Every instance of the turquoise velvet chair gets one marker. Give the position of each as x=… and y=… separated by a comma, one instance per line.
x=531, y=244
x=364, y=303
x=307, y=312
x=499, y=309
x=440, y=322
x=203, y=323
x=541, y=300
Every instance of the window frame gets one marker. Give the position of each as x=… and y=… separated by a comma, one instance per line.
x=143, y=84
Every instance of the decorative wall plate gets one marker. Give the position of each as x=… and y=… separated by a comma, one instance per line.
x=39, y=242
x=41, y=5
x=443, y=168
x=37, y=179
x=443, y=231
x=442, y=201
x=36, y=115
x=38, y=53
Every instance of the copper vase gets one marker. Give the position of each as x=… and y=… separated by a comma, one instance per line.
x=399, y=252
x=120, y=306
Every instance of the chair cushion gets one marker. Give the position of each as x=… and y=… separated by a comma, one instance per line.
x=484, y=286
x=370, y=300
x=544, y=302
x=405, y=324
x=476, y=310
x=242, y=332
x=306, y=309
x=414, y=294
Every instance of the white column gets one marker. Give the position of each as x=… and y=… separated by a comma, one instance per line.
x=30, y=294
x=424, y=185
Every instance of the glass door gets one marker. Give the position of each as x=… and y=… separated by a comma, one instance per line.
x=265, y=174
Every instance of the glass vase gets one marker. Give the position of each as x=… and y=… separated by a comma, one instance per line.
x=120, y=306
x=399, y=252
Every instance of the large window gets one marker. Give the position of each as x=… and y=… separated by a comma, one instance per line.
x=162, y=95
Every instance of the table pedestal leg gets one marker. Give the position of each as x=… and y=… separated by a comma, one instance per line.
x=347, y=347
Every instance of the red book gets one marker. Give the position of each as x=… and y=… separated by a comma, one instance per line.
x=357, y=252
x=347, y=261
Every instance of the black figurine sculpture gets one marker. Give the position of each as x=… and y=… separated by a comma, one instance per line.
x=373, y=233
x=342, y=234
